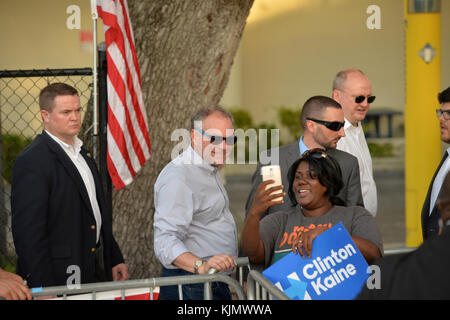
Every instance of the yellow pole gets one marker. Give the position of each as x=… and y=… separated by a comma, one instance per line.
x=422, y=143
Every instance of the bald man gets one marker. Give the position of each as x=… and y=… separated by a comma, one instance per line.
x=353, y=90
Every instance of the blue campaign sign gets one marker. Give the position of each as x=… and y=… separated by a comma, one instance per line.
x=336, y=270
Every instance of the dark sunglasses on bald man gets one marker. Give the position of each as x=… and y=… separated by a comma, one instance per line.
x=360, y=99
x=231, y=140
x=334, y=125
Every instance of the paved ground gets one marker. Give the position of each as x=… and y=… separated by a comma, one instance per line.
x=391, y=203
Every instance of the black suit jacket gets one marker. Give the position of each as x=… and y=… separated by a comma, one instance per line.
x=421, y=274
x=350, y=193
x=430, y=223
x=53, y=223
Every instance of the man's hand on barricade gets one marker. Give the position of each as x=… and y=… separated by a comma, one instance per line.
x=120, y=272
x=12, y=287
x=220, y=262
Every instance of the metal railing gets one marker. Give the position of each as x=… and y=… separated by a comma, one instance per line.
x=151, y=283
x=398, y=250
x=258, y=287
x=241, y=263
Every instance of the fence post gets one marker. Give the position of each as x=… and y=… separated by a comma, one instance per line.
x=207, y=287
x=3, y=213
x=103, y=122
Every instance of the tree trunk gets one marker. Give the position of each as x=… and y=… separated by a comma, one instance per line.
x=185, y=51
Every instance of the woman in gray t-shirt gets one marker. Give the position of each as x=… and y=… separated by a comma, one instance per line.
x=314, y=181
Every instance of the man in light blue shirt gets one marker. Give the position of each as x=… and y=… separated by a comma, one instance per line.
x=194, y=228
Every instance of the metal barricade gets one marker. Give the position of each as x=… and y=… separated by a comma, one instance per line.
x=260, y=288
x=151, y=283
x=241, y=263
x=257, y=286
x=398, y=250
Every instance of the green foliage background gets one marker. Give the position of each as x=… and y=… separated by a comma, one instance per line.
x=12, y=144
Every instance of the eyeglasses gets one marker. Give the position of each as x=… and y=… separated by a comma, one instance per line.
x=360, y=99
x=444, y=113
x=230, y=141
x=334, y=125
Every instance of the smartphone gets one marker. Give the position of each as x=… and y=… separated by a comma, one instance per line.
x=272, y=173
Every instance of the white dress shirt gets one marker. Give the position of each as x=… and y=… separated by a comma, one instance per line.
x=355, y=143
x=192, y=211
x=439, y=180
x=73, y=151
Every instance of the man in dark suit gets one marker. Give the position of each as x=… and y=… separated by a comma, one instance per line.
x=423, y=273
x=61, y=231
x=323, y=121
x=430, y=211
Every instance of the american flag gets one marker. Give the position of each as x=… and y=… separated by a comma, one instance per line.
x=127, y=132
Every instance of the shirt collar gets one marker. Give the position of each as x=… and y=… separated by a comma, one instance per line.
x=75, y=148
x=348, y=125
x=193, y=158
x=302, y=146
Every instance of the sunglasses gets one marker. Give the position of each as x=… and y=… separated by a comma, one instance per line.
x=334, y=125
x=444, y=113
x=318, y=154
x=216, y=140
x=315, y=153
x=360, y=99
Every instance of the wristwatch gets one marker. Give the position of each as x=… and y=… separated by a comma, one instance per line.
x=197, y=265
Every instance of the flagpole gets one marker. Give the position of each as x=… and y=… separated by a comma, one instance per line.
x=94, y=15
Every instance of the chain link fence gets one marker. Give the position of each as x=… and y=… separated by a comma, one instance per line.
x=20, y=122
